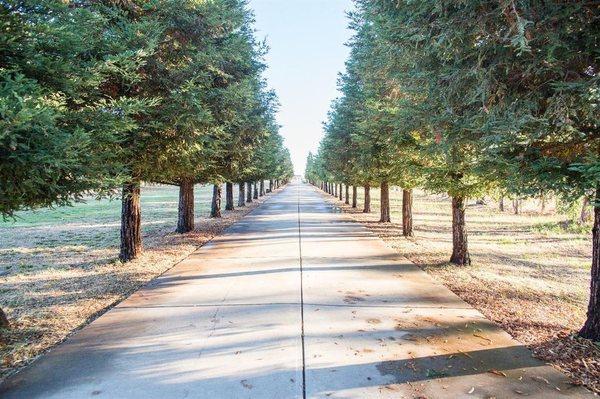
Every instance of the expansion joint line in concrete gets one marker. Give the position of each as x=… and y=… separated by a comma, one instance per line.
x=301, y=299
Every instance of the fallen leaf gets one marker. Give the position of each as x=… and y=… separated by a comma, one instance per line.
x=482, y=337
x=541, y=379
x=497, y=372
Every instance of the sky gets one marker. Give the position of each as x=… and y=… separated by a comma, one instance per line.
x=307, y=51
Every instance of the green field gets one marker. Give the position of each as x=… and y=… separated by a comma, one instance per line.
x=59, y=236
x=59, y=267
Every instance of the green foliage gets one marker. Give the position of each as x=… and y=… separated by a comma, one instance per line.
x=464, y=98
x=96, y=94
x=58, y=138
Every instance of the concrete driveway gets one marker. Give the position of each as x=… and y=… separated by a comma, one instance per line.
x=294, y=301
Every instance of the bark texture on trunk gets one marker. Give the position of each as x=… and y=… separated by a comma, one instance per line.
x=543, y=204
x=229, y=196
x=341, y=192
x=460, y=249
x=586, y=211
x=516, y=206
x=241, y=194
x=185, y=213
x=131, y=221
x=215, y=207
x=367, y=207
x=271, y=185
x=249, y=192
x=347, y=201
x=591, y=328
x=255, y=190
x=354, y=196
x=3, y=320
x=385, y=203
x=335, y=186
x=262, y=188
x=407, y=219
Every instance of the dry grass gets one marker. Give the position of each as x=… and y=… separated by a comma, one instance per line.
x=59, y=268
x=529, y=274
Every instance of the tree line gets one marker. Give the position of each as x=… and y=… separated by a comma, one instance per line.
x=97, y=97
x=468, y=99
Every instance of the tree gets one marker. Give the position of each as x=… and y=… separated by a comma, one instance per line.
x=59, y=139
x=508, y=102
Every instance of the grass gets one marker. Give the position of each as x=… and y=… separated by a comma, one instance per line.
x=530, y=272
x=59, y=267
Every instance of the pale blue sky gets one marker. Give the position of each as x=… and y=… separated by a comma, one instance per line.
x=306, y=40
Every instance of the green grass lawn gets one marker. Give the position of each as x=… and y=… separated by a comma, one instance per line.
x=56, y=236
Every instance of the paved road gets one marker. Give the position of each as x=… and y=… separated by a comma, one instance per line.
x=294, y=301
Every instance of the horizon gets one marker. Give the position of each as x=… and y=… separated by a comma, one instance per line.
x=307, y=52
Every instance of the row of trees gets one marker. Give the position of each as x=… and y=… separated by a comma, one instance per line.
x=99, y=96
x=468, y=98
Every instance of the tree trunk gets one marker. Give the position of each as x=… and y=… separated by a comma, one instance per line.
x=270, y=185
x=407, y=219
x=543, y=204
x=385, y=203
x=516, y=206
x=215, y=209
x=262, y=188
x=255, y=190
x=185, y=217
x=242, y=194
x=335, y=186
x=341, y=192
x=586, y=211
x=229, y=196
x=460, y=249
x=367, y=207
x=131, y=218
x=501, y=203
x=354, y=196
x=249, y=192
x=347, y=201
x=591, y=328
x=3, y=320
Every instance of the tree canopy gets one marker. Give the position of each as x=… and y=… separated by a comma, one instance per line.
x=101, y=96
x=464, y=98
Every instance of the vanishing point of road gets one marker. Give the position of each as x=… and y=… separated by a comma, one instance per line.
x=293, y=301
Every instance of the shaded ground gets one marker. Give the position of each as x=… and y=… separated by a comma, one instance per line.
x=528, y=274
x=59, y=267
x=293, y=301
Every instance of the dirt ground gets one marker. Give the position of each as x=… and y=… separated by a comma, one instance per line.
x=59, y=268
x=529, y=273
